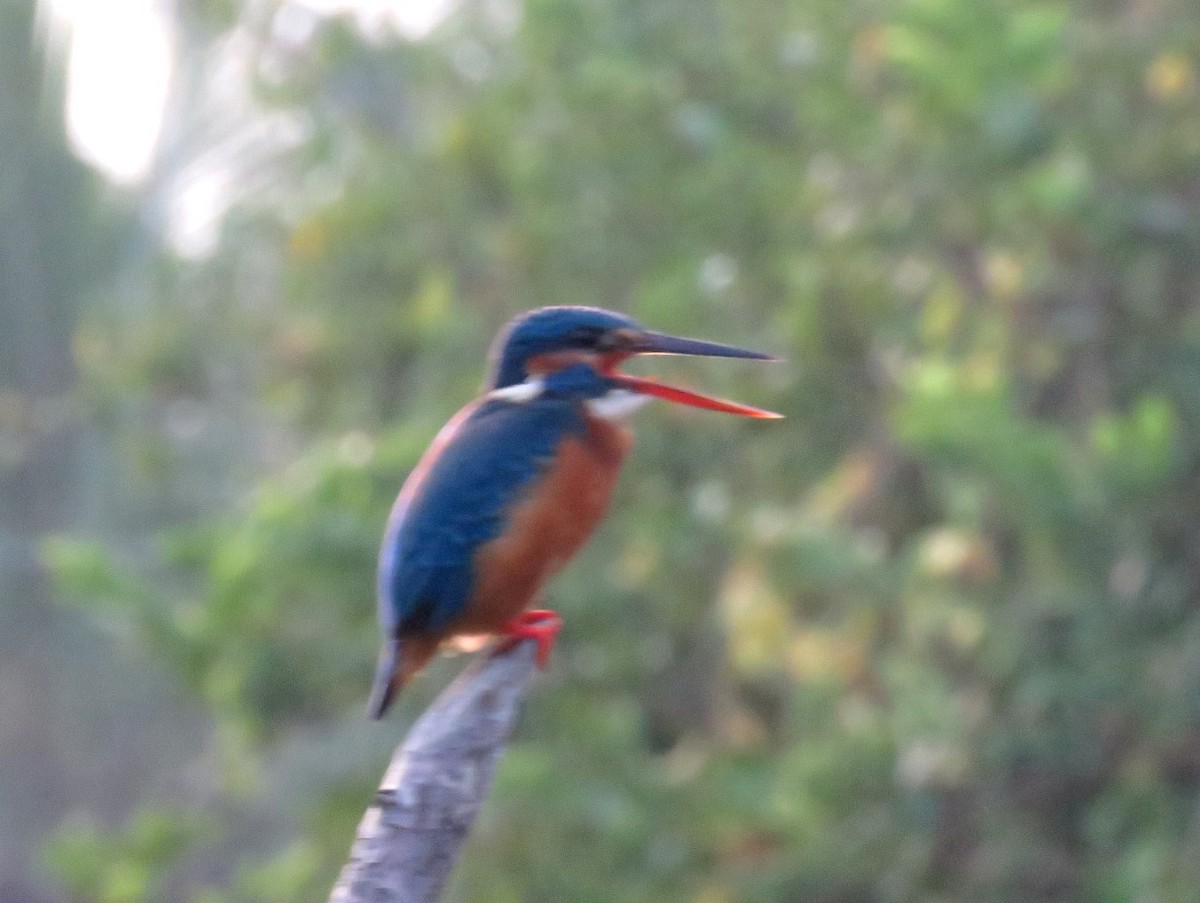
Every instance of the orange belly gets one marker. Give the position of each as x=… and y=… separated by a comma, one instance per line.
x=546, y=526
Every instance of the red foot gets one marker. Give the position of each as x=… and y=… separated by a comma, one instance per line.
x=536, y=624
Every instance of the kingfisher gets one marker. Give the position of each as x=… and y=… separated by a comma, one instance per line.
x=515, y=482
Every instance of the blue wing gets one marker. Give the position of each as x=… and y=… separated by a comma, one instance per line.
x=426, y=573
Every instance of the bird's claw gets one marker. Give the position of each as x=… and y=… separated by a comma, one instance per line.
x=539, y=624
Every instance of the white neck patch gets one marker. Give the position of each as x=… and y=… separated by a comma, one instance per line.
x=520, y=393
x=618, y=404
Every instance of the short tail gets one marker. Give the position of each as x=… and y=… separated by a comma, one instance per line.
x=399, y=659
x=387, y=679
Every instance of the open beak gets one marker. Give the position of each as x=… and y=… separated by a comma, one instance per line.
x=658, y=343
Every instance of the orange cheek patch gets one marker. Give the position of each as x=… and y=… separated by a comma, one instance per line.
x=558, y=360
x=612, y=360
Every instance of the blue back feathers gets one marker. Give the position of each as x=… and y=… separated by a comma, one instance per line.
x=547, y=330
x=426, y=575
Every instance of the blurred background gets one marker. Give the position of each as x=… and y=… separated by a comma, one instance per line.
x=935, y=637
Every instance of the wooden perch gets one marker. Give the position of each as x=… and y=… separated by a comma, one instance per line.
x=409, y=838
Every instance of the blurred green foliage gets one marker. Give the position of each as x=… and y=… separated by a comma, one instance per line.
x=934, y=637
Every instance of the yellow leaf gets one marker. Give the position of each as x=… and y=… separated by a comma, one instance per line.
x=1170, y=77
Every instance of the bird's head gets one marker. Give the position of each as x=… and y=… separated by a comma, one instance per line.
x=548, y=341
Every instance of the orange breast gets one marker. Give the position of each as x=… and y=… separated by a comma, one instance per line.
x=547, y=525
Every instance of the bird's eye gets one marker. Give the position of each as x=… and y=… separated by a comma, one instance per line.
x=585, y=337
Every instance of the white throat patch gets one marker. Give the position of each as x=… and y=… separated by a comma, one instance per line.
x=618, y=404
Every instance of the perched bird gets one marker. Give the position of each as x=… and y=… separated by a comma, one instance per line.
x=515, y=483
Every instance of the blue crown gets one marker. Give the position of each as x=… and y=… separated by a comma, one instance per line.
x=547, y=330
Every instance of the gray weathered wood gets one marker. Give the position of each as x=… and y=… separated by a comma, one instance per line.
x=410, y=836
